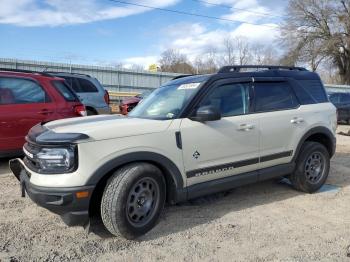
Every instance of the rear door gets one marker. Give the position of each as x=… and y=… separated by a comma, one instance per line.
x=23, y=104
x=281, y=121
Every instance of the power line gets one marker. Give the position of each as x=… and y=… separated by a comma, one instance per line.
x=236, y=8
x=190, y=14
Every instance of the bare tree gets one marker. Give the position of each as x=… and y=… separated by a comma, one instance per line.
x=329, y=73
x=173, y=61
x=243, y=50
x=229, y=55
x=136, y=67
x=318, y=30
x=206, y=63
x=312, y=53
x=262, y=54
x=116, y=65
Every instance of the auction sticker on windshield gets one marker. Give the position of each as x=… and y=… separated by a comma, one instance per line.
x=189, y=86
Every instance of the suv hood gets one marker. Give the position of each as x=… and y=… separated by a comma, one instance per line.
x=130, y=100
x=108, y=126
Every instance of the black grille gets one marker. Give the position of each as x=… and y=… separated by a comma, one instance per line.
x=30, y=160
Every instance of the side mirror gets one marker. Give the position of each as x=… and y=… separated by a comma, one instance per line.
x=206, y=113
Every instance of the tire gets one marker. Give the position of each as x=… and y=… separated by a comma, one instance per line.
x=133, y=191
x=90, y=112
x=312, y=168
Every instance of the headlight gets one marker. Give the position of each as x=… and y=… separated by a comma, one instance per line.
x=56, y=160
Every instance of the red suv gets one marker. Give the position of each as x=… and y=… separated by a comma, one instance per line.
x=130, y=103
x=27, y=98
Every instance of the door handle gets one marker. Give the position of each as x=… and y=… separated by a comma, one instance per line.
x=245, y=127
x=297, y=120
x=45, y=112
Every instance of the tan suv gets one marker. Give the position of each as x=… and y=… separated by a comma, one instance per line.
x=193, y=136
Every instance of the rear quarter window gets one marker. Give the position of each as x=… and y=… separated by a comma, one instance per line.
x=310, y=92
x=65, y=91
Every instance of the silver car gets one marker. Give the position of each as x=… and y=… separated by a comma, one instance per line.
x=89, y=90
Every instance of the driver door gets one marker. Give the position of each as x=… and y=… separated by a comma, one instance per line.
x=226, y=147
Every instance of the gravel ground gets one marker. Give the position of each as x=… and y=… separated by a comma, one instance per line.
x=261, y=222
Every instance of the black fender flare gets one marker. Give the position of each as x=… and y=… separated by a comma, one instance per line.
x=317, y=130
x=165, y=163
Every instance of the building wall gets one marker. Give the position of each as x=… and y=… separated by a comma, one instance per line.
x=113, y=79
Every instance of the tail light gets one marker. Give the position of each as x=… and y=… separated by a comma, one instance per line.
x=106, y=97
x=80, y=110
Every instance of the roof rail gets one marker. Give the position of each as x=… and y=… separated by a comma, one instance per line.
x=62, y=72
x=230, y=69
x=25, y=71
x=181, y=76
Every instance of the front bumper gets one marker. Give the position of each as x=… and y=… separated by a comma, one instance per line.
x=62, y=201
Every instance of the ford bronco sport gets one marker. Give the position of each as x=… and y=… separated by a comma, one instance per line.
x=193, y=136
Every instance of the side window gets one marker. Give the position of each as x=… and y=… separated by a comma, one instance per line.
x=21, y=91
x=310, y=91
x=73, y=83
x=65, y=91
x=271, y=96
x=86, y=86
x=344, y=98
x=230, y=99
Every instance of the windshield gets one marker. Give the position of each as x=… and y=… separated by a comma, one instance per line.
x=166, y=102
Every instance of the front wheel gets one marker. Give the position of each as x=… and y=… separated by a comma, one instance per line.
x=133, y=200
x=312, y=167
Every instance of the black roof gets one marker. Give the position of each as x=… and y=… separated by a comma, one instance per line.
x=189, y=79
x=238, y=68
x=298, y=73
x=66, y=74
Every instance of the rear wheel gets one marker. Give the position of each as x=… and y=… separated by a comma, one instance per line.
x=312, y=167
x=90, y=112
x=133, y=200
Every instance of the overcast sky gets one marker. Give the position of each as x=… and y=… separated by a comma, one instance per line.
x=103, y=32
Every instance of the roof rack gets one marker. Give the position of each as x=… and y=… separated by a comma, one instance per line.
x=230, y=69
x=25, y=71
x=62, y=72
